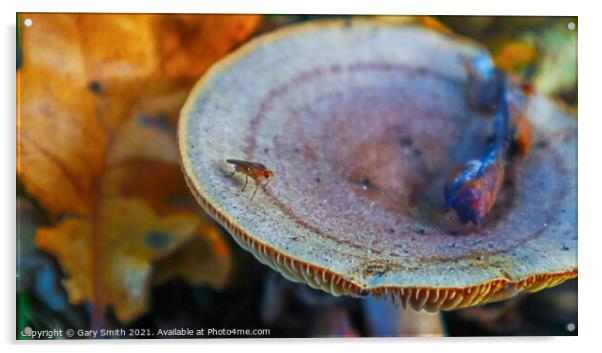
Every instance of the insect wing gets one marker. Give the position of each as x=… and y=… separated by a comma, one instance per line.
x=245, y=164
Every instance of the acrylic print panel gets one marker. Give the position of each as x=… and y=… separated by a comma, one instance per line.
x=265, y=176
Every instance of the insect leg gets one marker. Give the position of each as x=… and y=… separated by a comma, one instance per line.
x=262, y=186
x=246, y=181
x=232, y=174
x=266, y=183
x=254, y=192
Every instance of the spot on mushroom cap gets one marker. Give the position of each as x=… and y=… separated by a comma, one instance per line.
x=362, y=122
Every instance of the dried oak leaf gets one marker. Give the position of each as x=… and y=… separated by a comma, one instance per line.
x=218, y=32
x=205, y=259
x=133, y=236
x=60, y=144
x=98, y=96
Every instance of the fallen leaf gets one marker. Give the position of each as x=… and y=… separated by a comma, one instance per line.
x=98, y=98
x=125, y=238
x=60, y=143
x=159, y=183
x=132, y=140
x=204, y=260
x=205, y=41
x=515, y=55
x=117, y=71
x=434, y=24
x=36, y=272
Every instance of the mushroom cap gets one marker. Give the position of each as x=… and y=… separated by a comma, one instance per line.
x=362, y=122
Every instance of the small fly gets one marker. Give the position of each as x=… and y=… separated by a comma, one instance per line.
x=256, y=171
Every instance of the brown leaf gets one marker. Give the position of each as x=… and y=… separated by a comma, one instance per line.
x=127, y=237
x=205, y=41
x=60, y=142
x=120, y=54
x=159, y=183
x=434, y=24
x=514, y=55
x=205, y=260
x=147, y=137
x=99, y=97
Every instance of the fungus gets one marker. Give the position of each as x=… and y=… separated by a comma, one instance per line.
x=342, y=102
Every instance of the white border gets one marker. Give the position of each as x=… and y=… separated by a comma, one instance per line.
x=590, y=177
x=408, y=7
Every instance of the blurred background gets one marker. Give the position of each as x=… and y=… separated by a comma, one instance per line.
x=108, y=235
